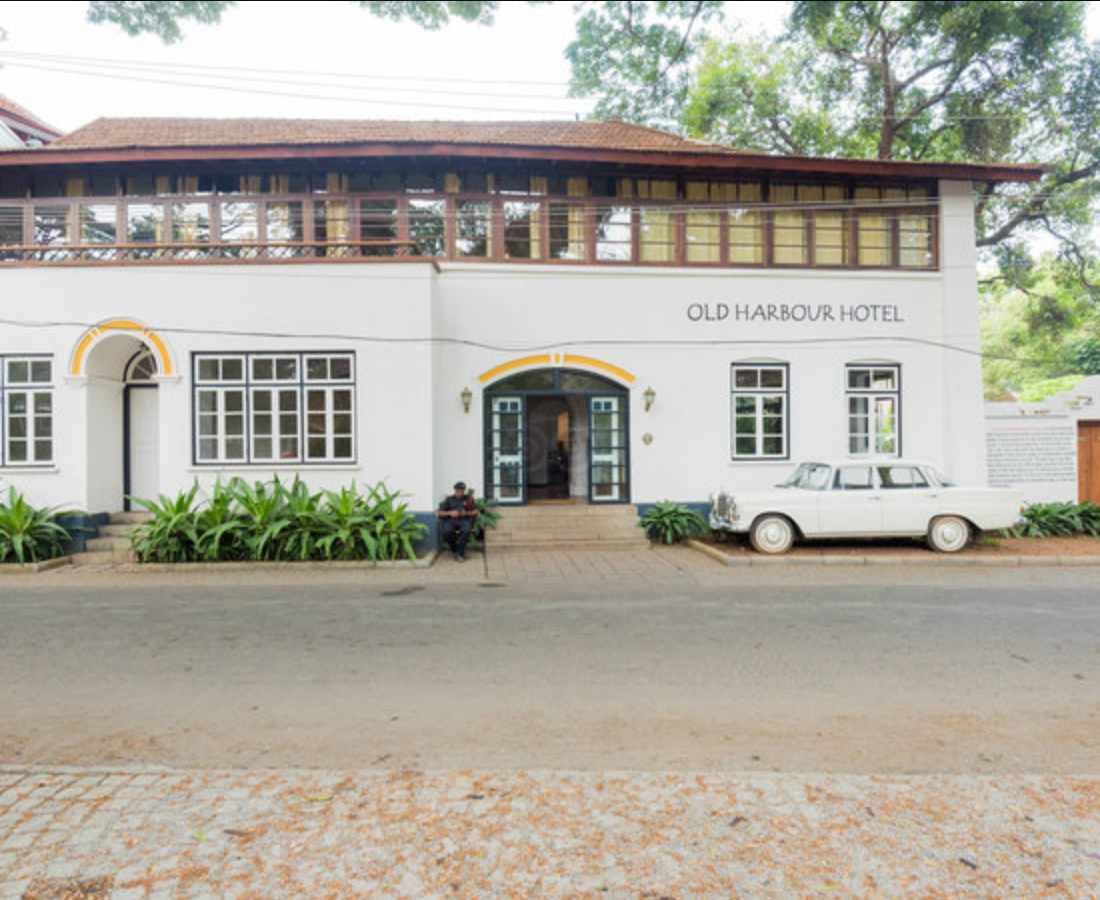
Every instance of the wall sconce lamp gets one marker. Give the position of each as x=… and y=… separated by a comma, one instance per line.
x=467, y=398
x=649, y=396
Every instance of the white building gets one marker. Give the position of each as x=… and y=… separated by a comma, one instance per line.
x=593, y=309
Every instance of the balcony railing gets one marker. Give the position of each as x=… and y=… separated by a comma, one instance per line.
x=59, y=254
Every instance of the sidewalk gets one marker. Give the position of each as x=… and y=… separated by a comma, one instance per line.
x=247, y=835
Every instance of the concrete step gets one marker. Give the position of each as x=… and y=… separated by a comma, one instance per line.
x=108, y=545
x=131, y=518
x=122, y=532
x=99, y=558
x=565, y=526
x=591, y=533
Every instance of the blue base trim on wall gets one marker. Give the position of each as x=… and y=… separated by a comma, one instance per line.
x=82, y=528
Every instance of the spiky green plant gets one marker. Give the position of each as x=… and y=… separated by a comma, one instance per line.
x=671, y=522
x=29, y=534
x=172, y=535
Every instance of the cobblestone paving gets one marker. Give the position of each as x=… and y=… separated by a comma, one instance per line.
x=247, y=835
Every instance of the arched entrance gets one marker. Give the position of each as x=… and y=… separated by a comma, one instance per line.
x=123, y=421
x=557, y=434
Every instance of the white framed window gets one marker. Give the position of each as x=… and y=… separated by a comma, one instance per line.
x=26, y=389
x=873, y=398
x=761, y=411
x=271, y=408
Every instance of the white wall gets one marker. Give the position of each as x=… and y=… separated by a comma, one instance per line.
x=421, y=336
x=372, y=310
x=1033, y=446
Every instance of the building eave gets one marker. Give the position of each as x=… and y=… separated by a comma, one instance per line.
x=730, y=161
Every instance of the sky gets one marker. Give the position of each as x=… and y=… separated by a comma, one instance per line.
x=322, y=60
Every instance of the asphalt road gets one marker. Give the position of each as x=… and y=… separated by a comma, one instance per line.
x=808, y=669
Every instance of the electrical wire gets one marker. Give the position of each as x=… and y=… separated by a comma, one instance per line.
x=575, y=343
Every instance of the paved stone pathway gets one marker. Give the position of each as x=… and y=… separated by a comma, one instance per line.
x=247, y=835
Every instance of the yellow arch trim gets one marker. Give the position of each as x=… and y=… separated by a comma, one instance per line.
x=504, y=368
x=557, y=359
x=94, y=334
x=607, y=367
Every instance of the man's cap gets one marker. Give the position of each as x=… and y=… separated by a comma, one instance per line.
x=460, y=485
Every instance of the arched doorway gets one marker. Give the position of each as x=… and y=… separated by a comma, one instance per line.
x=557, y=434
x=141, y=429
x=123, y=421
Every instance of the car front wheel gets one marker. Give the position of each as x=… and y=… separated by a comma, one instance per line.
x=772, y=535
x=948, y=534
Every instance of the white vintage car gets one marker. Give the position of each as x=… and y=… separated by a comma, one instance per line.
x=865, y=498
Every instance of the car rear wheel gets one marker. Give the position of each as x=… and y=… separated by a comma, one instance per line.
x=772, y=534
x=948, y=534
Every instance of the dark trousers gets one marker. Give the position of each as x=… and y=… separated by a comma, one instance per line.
x=456, y=532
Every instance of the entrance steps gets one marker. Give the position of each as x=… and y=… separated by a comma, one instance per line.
x=566, y=526
x=112, y=545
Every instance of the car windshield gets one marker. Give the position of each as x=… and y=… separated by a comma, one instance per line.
x=809, y=477
x=941, y=478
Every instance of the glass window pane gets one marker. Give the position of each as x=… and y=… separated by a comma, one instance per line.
x=522, y=230
x=378, y=226
x=613, y=234
x=40, y=371
x=240, y=222
x=52, y=225
x=426, y=226
x=98, y=224
x=568, y=231
x=18, y=371
x=340, y=368
x=190, y=223
x=747, y=378
x=285, y=221
x=473, y=228
x=145, y=223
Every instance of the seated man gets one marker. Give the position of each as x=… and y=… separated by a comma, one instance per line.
x=457, y=513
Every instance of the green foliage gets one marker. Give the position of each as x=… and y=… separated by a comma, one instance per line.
x=671, y=523
x=1038, y=331
x=159, y=17
x=272, y=521
x=636, y=57
x=1059, y=520
x=29, y=534
x=433, y=14
x=489, y=515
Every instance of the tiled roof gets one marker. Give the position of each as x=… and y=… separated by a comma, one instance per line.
x=11, y=108
x=103, y=134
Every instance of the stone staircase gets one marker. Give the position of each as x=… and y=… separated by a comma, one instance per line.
x=566, y=526
x=112, y=545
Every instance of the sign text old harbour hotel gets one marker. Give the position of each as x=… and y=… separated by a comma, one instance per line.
x=794, y=312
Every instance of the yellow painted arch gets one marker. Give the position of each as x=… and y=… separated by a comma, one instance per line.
x=557, y=359
x=146, y=335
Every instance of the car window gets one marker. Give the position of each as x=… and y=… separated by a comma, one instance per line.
x=854, y=478
x=901, y=478
x=810, y=477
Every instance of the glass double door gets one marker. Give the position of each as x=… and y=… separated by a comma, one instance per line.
x=598, y=430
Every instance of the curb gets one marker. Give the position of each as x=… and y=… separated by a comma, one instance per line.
x=47, y=565
x=894, y=560
x=134, y=568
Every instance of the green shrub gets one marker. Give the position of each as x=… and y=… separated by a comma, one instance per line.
x=272, y=521
x=29, y=534
x=671, y=523
x=1058, y=520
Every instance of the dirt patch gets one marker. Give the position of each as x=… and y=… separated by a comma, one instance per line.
x=988, y=546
